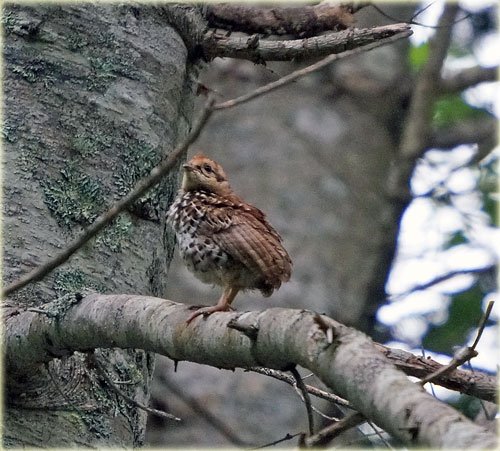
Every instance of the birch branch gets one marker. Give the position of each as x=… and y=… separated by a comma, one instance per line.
x=344, y=359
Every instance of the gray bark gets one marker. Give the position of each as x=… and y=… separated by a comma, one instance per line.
x=348, y=363
x=93, y=96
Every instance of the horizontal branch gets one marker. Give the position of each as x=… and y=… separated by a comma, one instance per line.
x=259, y=50
x=302, y=20
x=344, y=359
x=467, y=78
x=481, y=131
x=478, y=384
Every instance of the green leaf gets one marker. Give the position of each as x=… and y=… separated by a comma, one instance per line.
x=451, y=109
x=418, y=56
x=464, y=315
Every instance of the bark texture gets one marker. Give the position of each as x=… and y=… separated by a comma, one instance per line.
x=93, y=97
x=276, y=338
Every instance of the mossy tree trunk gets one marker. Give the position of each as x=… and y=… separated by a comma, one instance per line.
x=94, y=97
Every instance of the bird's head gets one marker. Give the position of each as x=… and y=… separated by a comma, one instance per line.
x=203, y=173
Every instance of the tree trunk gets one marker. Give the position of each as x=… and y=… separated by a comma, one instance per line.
x=94, y=97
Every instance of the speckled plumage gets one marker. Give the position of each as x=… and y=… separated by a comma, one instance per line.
x=222, y=239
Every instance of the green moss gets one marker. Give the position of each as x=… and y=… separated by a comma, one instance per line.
x=106, y=69
x=58, y=307
x=72, y=281
x=116, y=233
x=74, y=197
x=97, y=424
x=88, y=145
x=9, y=21
x=31, y=154
x=35, y=70
x=9, y=132
x=139, y=158
x=128, y=373
x=76, y=42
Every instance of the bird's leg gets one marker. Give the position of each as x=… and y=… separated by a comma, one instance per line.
x=223, y=305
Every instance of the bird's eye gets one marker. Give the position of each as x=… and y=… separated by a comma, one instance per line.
x=207, y=168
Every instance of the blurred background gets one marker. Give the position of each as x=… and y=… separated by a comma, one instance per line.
x=315, y=157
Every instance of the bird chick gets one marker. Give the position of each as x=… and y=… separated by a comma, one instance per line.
x=222, y=239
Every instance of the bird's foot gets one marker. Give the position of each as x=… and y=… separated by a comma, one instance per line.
x=207, y=311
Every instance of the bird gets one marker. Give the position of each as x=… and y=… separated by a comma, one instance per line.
x=222, y=239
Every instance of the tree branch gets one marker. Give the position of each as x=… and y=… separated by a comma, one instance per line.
x=478, y=384
x=333, y=430
x=287, y=79
x=260, y=50
x=298, y=21
x=417, y=126
x=418, y=122
x=350, y=365
x=467, y=78
x=482, y=132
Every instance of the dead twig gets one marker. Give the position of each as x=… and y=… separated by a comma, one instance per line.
x=439, y=279
x=291, y=381
x=284, y=439
x=463, y=354
x=200, y=410
x=307, y=398
x=327, y=434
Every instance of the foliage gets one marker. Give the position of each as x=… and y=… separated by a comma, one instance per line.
x=464, y=315
x=452, y=109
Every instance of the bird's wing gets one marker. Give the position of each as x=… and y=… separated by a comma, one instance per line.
x=242, y=231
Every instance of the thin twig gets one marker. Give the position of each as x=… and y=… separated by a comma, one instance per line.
x=291, y=381
x=420, y=24
x=463, y=354
x=128, y=399
x=284, y=439
x=379, y=434
x=156, y=174
x=307, y=398
x=327, y=434
x=204, y=413
x=439, y=279
x=307, y=70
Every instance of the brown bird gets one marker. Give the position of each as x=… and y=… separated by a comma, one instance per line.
x=222, y=239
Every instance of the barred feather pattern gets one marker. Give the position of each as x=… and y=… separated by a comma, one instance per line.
x=227, y=242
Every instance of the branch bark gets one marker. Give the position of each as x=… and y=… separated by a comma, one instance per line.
x=350, y=365
x=471, y=383
x=467, y=78
x=260, y=50
x=482, y=132
x=303, y=20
